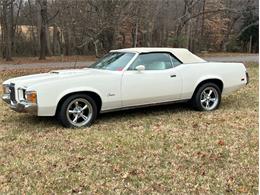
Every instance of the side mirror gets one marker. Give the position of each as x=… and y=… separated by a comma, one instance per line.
x=140, y=68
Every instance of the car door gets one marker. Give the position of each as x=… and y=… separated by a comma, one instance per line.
x=158, y=82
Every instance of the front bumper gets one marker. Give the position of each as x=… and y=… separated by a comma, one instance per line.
x=22, y=106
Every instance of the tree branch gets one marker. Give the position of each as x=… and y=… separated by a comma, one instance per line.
x=54, y=16
x=247, y=27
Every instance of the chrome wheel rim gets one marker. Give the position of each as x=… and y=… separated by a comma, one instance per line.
x=79, y=112
x=209, y=98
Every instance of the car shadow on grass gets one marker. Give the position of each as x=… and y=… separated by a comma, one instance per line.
x=44, y=123
x=145, y=111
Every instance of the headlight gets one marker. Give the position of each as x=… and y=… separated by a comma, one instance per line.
x=31, y=96
x=21, y=93
x=6, y=89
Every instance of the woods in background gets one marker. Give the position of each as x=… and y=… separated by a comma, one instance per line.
x=86, y=27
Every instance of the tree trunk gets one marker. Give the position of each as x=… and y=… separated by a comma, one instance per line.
x=136, y=33
x=8, y=29
x=55, y=40
x=4, y=28
x=9, y=36
x=33, y=36
x=250, y=44
x=67, y=42
x=96, y=48
x=43, y=32
x=202, y=39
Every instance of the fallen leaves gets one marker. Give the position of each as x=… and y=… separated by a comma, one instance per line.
x=221, y=143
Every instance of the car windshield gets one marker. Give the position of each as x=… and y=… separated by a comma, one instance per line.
x=113, y=61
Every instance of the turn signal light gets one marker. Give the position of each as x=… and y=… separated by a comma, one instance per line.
x=31, y=96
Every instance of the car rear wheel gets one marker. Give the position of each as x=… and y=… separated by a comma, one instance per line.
x=78, y=110
x=207, y=97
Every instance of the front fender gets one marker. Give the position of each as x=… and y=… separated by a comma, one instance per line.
x=48, y=106
x=78, y=89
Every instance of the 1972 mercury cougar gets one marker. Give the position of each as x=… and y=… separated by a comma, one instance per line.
x=124, y=79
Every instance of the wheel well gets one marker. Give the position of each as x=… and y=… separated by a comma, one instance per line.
x=93, y=95
x=218, y=82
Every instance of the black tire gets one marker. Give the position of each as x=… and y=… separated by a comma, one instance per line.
x=197, y=100
x=65, y=118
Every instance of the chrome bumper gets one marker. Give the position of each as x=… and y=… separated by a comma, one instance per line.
x=21, y=106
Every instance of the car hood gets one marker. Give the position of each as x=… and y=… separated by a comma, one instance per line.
x=55, y=75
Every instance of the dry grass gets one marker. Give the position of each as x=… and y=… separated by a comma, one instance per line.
x=34, y=60
x=169, y=149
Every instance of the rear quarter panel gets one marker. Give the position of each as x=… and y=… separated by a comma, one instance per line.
x=229, y=73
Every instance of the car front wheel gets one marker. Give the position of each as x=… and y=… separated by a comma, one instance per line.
x=207, y=97
x=77, y=111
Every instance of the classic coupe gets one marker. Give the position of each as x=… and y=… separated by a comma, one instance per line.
x=123, y=79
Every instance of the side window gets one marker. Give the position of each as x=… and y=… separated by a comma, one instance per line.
x=175, y=62
x=153, y=61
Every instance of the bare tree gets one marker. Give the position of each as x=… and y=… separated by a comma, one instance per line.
x=69, y=27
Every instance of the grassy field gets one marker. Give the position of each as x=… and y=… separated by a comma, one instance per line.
x=159, y=150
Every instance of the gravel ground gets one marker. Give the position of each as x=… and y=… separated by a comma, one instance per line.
x=242, y=58
x=54, y=65
x=57, y=65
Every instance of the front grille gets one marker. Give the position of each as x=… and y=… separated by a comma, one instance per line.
x=12, y=92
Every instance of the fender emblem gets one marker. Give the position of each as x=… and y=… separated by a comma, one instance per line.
x=110, y=94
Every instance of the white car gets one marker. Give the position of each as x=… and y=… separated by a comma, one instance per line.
x=123, y=79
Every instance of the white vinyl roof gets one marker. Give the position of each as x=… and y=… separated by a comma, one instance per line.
x=182, y=54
